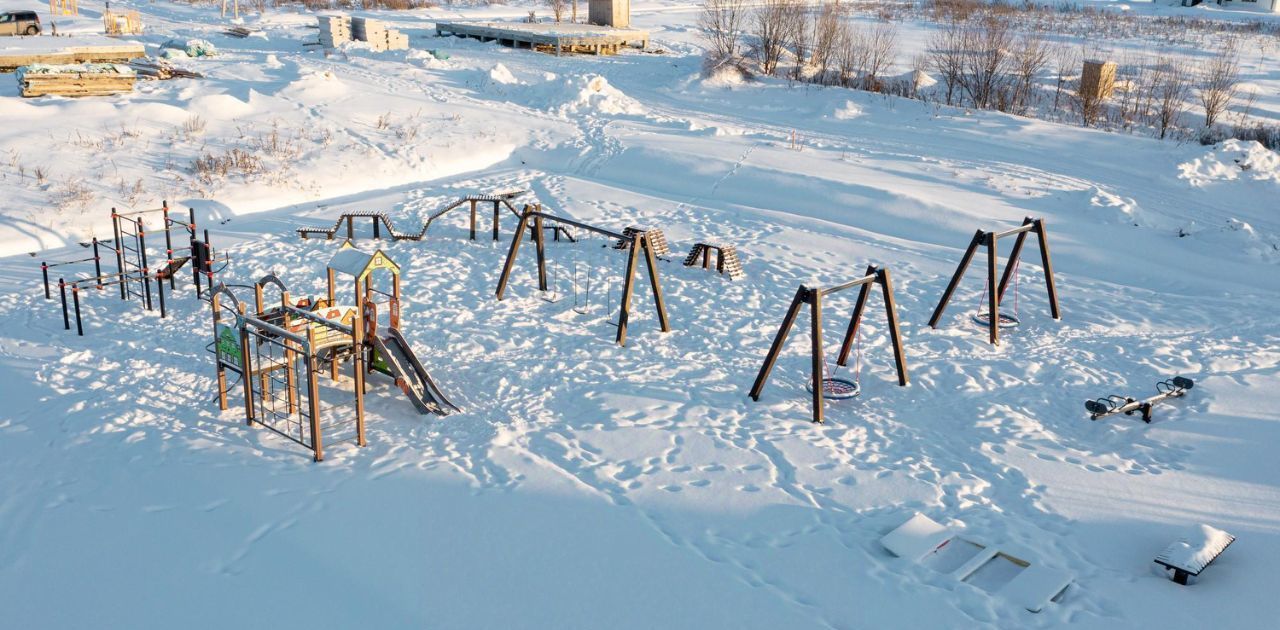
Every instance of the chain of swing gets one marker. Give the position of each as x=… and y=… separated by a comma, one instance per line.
x=584, y=272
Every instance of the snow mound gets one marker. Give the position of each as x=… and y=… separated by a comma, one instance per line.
x=1232, y=160
x=315, y=87
x=850, y=111
x=500, y=74
x=593, y=92
x=1113, y=206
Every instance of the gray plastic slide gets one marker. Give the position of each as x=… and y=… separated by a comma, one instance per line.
x=409, y=373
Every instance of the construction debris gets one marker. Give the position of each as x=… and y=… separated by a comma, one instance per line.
x=336, y=30
x=85, y=79
x=240, y=32
x=192, y=47
x=129, y=23
x=159, y=69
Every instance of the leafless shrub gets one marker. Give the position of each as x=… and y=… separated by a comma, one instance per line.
x=946, y=56
x=826, y=37
x=1029, y=58
x=882, y=48
x=1218, y=81
x=1068, y=61
x=985, y=59
x=723, y=23
x=558, y=8
x=72, y=192
x=1170, y=86
x=41, y=174
x=193, y=126
x=799, y=36
x=210, y=168
x=383, y=121
x=771, y=27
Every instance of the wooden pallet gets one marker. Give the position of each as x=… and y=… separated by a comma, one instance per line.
x=75, y=84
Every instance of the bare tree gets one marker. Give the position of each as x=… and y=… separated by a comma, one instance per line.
x=557, y=8
x=826, y=38
x=985, y=47
x=1029, y=58
x=1171, y=87
x=852, y=53
x=1068, y=61
x=1218, y=81
x=946, y=56
x=882, y=49
x=798, y=34
x=772, y=30
x=722, y=23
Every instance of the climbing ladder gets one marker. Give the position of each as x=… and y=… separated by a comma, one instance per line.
x=727, y=261
x=657, y=240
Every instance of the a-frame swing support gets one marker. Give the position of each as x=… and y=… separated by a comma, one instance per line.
x=813, y=297
x=995, y=292
x=636, y=244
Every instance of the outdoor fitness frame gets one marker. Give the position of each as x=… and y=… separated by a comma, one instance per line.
x=635, y=243
x=813, y=297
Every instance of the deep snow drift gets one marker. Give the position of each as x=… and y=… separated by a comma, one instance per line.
x=589, y=485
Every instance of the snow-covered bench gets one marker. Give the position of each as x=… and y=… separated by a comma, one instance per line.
x=1190, y=555
x=921, y=539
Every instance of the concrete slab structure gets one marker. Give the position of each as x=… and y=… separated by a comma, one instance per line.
x=556, y=38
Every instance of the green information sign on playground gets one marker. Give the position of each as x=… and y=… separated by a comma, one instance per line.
x=228, y=346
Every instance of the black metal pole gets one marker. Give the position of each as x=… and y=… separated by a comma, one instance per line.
x=66, y=319
x=97, y=263
x=75, y=295
x=160, y=293
x=44, y=269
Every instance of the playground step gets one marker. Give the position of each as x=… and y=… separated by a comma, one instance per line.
x=727, y=261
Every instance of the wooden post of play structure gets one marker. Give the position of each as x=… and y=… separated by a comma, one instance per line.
x=651, y=265
x=512, y=251
x=818, y=359
x=1043, y=237
x=540, y=246
x=313, y=396
x=993, y=291
x=358, y=362
x=628, y=285
x=473, y=219
x=216, y=303
x=496, y=217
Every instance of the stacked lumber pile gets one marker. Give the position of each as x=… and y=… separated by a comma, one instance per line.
x=240, y=32
x=378, y=35
x=335, y=30
x=161, y=70
x=84, y=79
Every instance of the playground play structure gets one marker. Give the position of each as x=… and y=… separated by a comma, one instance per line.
x=824, y=384
x=279, y=352
x=633, y=241
x=1175, y=387
x=134, y=274
x=727, y=262
x=992, y=318
x=380, y=220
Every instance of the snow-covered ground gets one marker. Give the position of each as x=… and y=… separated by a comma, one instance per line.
x=588, y=485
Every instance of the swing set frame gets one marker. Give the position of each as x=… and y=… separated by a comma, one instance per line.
x=813, y=297
x=995, y=291
x=635, y=243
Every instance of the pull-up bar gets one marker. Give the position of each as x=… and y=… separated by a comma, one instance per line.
x=995, y=291
x=636, y=243
x=813, y=297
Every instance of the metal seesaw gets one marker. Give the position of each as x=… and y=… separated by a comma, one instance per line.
x=1113, y=404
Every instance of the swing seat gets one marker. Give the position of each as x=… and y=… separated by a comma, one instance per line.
x=836, y=388
x=1006, y=320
